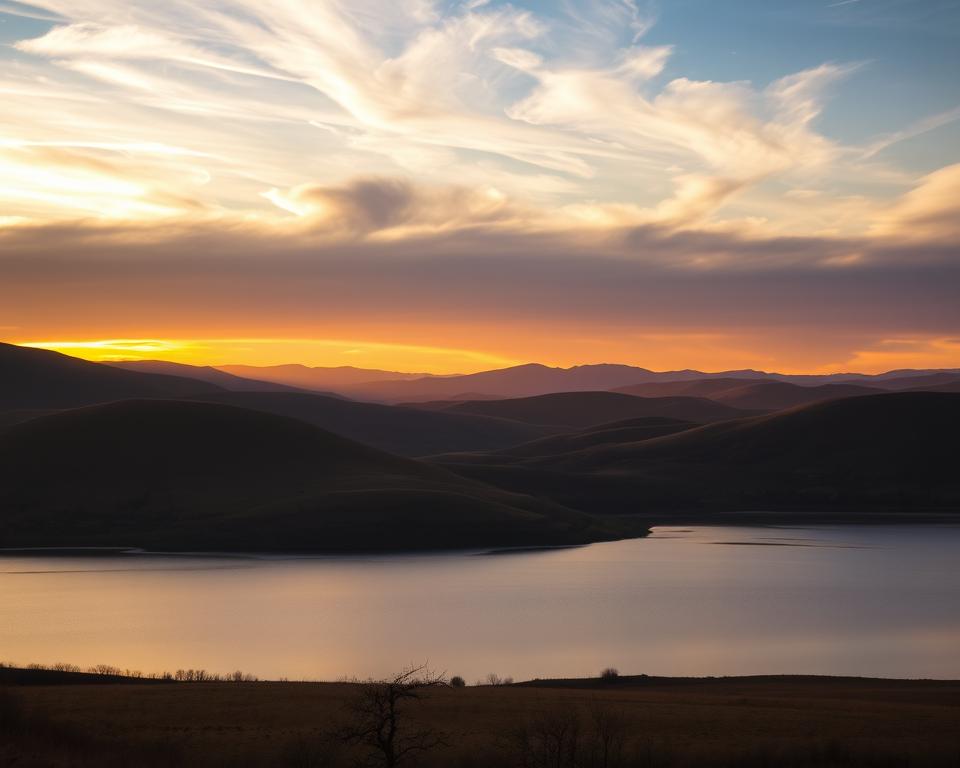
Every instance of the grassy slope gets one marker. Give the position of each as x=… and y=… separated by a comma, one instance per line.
x=771, y=721
x=404, y=431
x=183, y=475
x=37, y=378
x=751, y=395
x=883, y=452
x=584, y=409
x=627, y=431
x=227, y=381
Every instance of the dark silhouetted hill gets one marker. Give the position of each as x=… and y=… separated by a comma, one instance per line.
x=209, y=374
x=627, y=431
x=750, y=395
x=891, y=452
x=336, y=379
x=517, y=381
x=199, y=476
x=584, y=409
x=902, y=378
x=40, y=379
x=535, y=379
x=950, y=386
x=927, y=383
x=442, y=405
x=9, y=418
x=404, y=431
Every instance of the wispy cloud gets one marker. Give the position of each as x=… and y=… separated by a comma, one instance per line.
x=561, y=108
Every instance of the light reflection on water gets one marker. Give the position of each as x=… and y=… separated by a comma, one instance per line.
x=868, y=600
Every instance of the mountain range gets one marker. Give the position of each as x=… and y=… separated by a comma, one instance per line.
x=201, y=476
x=887, y=453
x=583, y=409
x=209, y=374
x=37, y=378
x=170, y=456
x=535, y=379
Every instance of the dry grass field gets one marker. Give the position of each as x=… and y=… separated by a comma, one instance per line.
x=774, y=721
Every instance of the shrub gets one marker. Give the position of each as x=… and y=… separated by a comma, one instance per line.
x=457, y=682
x=609, y=675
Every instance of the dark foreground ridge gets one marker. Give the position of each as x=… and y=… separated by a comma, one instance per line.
x=170, y=475
x=890, y=453
x=39, y=379
x=628, y=722
x=585, y=409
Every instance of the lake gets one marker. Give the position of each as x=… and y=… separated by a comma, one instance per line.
x=841, y=600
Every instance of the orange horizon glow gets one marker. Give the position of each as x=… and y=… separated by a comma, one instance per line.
x=410, y=358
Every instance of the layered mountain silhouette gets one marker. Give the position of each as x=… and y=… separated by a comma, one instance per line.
x=202, y=476
x=336, y=379
x=93, y=454
x=404, y=431
x=907, y=379
x=206, y=373
x=37, y=378
x=951, y=386
x=890, y=452
x=584, y=409
x=517, y=381
x=751, y=395
x=37, y=382
x=535, y=379
x=613, y=433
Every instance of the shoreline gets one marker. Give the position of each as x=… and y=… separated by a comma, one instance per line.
x=743, y=519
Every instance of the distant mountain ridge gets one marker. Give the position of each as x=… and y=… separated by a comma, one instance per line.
x=536, y=379
x=207, y=373
x=318, y=378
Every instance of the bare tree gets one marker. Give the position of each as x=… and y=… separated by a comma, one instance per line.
x=381, y=722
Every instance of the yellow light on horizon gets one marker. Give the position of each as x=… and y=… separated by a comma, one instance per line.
x=274, y=351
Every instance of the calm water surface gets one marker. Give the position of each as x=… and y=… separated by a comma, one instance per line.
x=704, y=601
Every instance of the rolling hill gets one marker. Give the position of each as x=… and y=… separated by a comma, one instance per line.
x=536, y=379
x=585, y=409
x=751, y=395
x=405, y=431
x=517, y=381
x=206, y=373
x=613, y=433
x=39, y=379
x=339, y=378
x=906, y=379
x=36, y=383
x=950, y=386
x=890, y=452
x=199, y=476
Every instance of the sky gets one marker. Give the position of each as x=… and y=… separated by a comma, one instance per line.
x=457, y=185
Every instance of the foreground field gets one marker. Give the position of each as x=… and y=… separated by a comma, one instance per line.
x=769, y=721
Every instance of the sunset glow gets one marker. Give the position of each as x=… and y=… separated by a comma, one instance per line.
x=457, y=186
